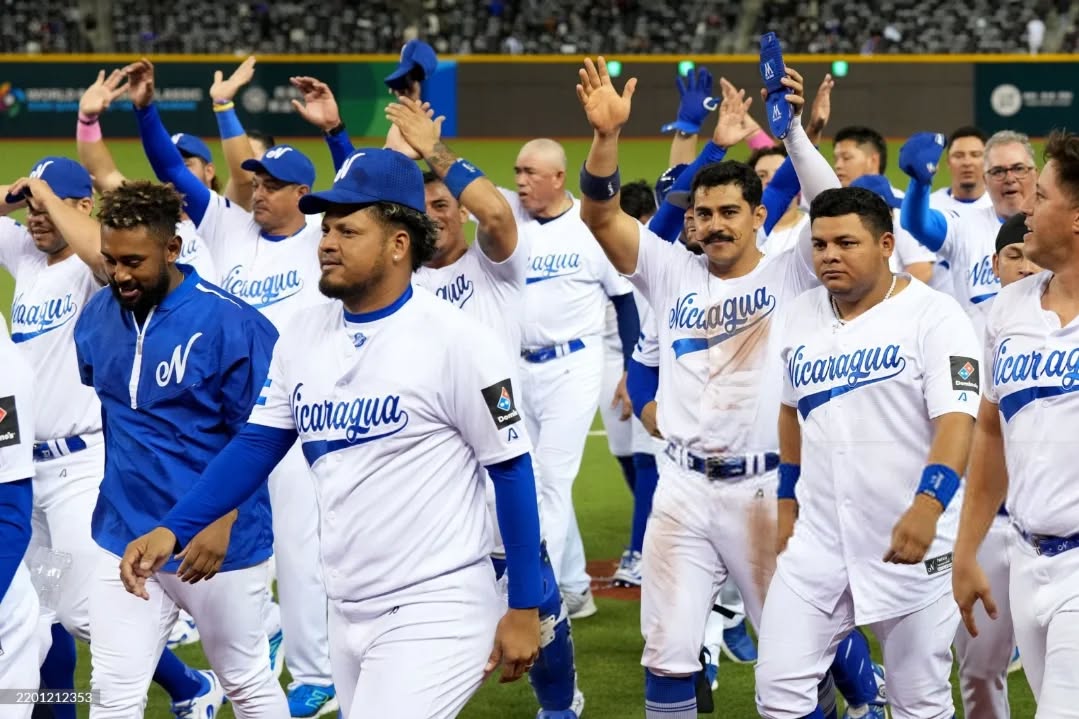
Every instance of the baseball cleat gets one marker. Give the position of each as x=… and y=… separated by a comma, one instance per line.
x=308, y=700
x=277, y=653
x=184, y=631
x=1016, y=664
x=882, y=691
x=867, y=711
x=737, y=644
x=710, y=659
x=576, y=709
x=628, y=573
x=580, y=606
x=207, y=704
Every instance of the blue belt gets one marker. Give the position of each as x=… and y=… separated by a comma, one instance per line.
x=729, y=467
x=58, y=448
x=1048, y=546
x=546, y=354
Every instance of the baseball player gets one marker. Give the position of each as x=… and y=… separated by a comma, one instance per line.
x=396, y=441
x=486, y=280
x=177, y=364
x=57, y=265
x=711, y=518
x=1017, y=453
x=966, y=153
x=267, y=258
x=965, y=240
x=18, y=601
x=866, y=345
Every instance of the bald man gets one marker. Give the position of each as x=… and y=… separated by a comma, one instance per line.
x=569, y=284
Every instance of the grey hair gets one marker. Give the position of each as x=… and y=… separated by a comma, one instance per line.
x=1009, y=137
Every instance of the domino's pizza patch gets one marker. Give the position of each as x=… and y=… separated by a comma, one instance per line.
x=500, y=403
x=965, y=375
x=9, y=422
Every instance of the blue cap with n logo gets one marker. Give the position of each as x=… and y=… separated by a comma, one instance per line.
x=368, y=176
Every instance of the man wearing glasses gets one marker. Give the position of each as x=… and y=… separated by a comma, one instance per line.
x=965, y=239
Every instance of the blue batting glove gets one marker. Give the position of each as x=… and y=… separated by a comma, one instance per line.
x=696, y=103
x=920, y=154
x=779, y=111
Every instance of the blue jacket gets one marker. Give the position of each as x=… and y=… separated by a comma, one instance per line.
x=173, y=393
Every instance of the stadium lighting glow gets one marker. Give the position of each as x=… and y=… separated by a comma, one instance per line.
x=685, y=66
x=614, y=68
x=840, y=68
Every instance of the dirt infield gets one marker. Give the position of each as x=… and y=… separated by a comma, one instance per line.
x=601, y=572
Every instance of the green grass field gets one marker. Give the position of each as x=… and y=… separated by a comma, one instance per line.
x=608, y=644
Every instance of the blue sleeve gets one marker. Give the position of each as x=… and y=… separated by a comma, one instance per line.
x=86, y=369
x=340, y=148
x=16, y=501
x=168, y=164
x=667, y=222
x=629, y=324
x=230, y=478
x=249, y=355
x=518, y=520
x=642, y=383
x=779, y=194
x=927, y=225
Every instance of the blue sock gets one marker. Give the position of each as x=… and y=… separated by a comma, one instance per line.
x=852, y=669
x=554, y=675
x=628, y=472
x=669, y=697
x=181, y=682
x=817, y=714
x=647, y=477
x=58, y=670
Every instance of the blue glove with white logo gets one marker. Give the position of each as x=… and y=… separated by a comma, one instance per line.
x=696, y=103
x=779, y=111
x=920, y=154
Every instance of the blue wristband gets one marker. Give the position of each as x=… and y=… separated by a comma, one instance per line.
x=228, y=125
x=600, y=189
x=788, y=477
x=461, y=174
x=940, y=482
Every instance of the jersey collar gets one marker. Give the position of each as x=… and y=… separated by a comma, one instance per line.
x=379, y=314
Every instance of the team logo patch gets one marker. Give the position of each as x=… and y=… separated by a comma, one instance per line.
x=936, y=565
x=499, y=398
x=965, y=377
x=9, y=422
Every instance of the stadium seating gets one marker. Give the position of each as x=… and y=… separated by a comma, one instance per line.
x=43, y=26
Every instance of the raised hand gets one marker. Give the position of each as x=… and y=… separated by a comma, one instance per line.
x=734, y=123
x=319, y=106
x=223, y=91
x=416, y=124
x=97, y=98
x=607, y=111
x=821, y=111
x=140, y=82
x=695, y=103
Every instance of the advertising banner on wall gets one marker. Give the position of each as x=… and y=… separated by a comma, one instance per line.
x=1026, y=97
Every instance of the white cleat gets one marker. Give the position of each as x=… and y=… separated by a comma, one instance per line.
x=207, y=704
x=628, y=573
x=580, y=606
x=184, y=631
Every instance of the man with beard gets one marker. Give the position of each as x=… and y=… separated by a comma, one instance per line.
x=177, y=364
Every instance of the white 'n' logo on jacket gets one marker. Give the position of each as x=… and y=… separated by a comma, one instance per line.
x=177, y=365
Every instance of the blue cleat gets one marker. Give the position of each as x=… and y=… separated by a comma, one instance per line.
x=878, y=708
x=208, y=702
x=277, y=653
x=575, y=710
x=737, y=644
x=308, y=700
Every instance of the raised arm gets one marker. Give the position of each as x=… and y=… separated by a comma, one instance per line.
x=814, y=172
x=319, y=107
x=240, y=188
x=918, y=158
x=497, y=234
x=696, y=101
x=94, y=155
x=81, y=231
x=607, y=111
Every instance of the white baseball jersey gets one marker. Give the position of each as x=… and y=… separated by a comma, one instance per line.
x=717, y=348
x=942, y=199
x=647, y=349
x=194, y=252
x=17, y=408
x=395, y=440
x=276, y=275
x=48, y=301
x=867, y=392
x=492, y=292
x=968, y=249
x=908, y=251
x=569, y=279
x=1033, y=374
x=782, y=239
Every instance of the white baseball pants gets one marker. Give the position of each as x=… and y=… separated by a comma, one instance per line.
x=417, y=654
x=562, y=396
x=130, y=633
x=797, y=644
x=619, y=431
x=983, y=661
x=1045, y=613
x=700, y=534
x=300, y=591
x=19, y=640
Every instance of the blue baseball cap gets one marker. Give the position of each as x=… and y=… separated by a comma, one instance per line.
x=67, y=178
x=416, y=54
x=192, y=145
x=284, y=163
x=371, y=175
x=879, y=184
